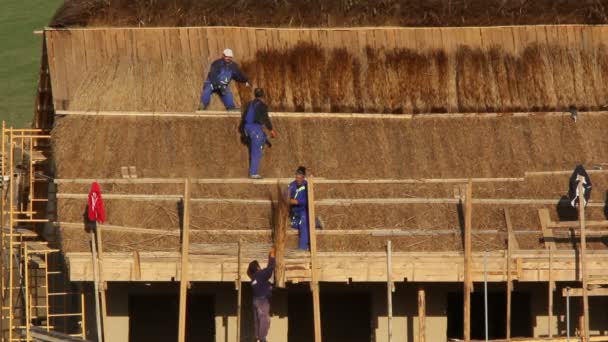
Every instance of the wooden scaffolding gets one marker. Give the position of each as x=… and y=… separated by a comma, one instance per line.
x=30, y=278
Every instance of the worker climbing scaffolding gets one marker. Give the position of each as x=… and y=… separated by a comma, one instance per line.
x=298, y=199
x=253, y=120
x=221, y=73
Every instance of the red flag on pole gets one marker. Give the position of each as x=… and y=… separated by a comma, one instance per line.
x=96, y=210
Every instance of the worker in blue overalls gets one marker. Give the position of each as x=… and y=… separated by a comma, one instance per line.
x=298, y=200
x=222, y=71
x=253, y=120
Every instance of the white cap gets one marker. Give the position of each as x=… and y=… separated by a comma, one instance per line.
x=228, y=53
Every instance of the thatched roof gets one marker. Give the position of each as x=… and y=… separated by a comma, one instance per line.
x=97, y=148
x=323, y=13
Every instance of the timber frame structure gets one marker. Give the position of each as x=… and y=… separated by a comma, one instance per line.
x=91, y=298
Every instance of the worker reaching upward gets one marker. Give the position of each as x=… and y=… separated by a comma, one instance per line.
x=298, y=200
x=222, y=71
x=262, y=293
x=253, y=120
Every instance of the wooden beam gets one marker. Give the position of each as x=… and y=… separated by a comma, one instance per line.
x=183, y=279
x=95, y=263
x=421, y=314
x=102, y=282
x=281, y=223
x=267, y=181
x=226, y=114
x=511, y=243
x=581, y=217
x=239, y=284
x=331, y=202
x=551, y=288
x=594, y=292
x=389, y=289
x=313, y=262
x=468, y=284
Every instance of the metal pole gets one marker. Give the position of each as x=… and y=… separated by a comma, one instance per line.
x=568, y=314
x=485, y=291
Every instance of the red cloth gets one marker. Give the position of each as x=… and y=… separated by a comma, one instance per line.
x=96, y=211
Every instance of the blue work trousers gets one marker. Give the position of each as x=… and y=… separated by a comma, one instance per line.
x=300, y=222
x=257, y=140
x=227, y=98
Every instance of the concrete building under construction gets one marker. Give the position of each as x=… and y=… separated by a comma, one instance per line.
x=440, y=161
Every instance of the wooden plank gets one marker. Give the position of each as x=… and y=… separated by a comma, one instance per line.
x=389, y=289
x=421, y=314
x=551, y=288
x=313, y=260
x=183, y=279
x=95, y=263
x=239, y=283
x=318, y=180
x=595, y=292
x=468, y=283
x=136, y=266
x=583, y=258
x=511, y=241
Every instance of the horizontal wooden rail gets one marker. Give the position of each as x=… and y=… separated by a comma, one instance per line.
x=226, y=114
x=370, y=231
x=282, y=180
x=335, y=201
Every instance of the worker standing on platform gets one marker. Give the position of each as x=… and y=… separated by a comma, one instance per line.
x=253, y=120
x=222, y=71
x=262, y=292
x=298, y=200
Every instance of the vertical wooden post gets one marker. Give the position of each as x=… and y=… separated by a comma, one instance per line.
x=11, y=283
x=96, y=285
x=421, y=314
x=467, y=261
x=509, y=274
x=581, y=217
x=2, y=224
x=83, y=318
x=281, y=223
x=46, y=297
x=26, y=292
x=551, y=288
x=316, y=302
x=239, y=284
x=102, y=284
x=389, y=289
x=183, y=279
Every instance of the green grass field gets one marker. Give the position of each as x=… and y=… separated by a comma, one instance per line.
x=20, y=52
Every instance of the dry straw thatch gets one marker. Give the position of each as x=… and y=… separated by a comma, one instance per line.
x=309, y=78
x=323, y=13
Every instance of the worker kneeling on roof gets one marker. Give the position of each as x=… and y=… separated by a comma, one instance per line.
x=262, y=292
x=298, y=200
x=253, y=119
x=222, y=71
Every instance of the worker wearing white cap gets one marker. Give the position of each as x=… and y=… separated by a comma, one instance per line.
x=222, y=71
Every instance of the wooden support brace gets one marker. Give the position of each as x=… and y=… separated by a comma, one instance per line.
x=583, y=258
x=313, y=262
x=421, y=315
x=183, y=279
x=389, y=289
x=467, y=261
x=239, y=284
x=511, y=245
